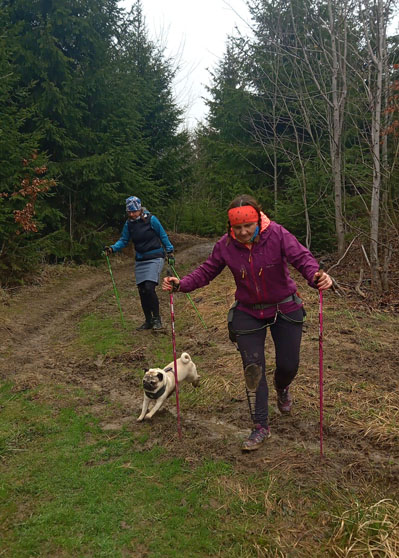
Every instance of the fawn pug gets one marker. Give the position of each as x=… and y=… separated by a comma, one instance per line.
x=159, y=384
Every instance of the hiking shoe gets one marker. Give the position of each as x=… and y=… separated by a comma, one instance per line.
x=284, y=401
x=252, y=375
x=258, y=435
x=145, y=325
x=157, y=324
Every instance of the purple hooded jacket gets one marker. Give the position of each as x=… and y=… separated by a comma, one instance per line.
x=261, y=273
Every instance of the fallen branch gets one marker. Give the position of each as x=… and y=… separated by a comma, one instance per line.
x=358, y=284
x=343, y=256
x=336, y=287
x=366, y=256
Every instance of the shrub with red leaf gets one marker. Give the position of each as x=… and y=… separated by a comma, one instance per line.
x=32, y=185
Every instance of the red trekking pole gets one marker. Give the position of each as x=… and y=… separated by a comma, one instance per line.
x=172, y=315
x=321, y=367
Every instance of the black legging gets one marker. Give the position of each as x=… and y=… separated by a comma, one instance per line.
x=149, y=299
x=287, y=341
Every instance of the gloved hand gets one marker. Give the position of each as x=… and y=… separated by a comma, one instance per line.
x=107, y=250
x=171, y=258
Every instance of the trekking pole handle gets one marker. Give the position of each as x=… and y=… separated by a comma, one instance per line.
x=321, y=268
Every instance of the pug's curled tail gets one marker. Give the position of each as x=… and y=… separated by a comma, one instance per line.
x=185, y=358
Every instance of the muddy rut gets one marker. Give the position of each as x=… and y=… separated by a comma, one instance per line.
x=37, y=346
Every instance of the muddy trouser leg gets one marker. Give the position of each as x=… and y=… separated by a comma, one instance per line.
x=149, y=299
x=252, y=350
x=287, y=342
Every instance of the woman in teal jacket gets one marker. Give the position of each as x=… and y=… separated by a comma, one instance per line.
x=150, y=242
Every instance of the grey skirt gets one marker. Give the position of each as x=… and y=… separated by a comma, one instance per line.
x=149, y=270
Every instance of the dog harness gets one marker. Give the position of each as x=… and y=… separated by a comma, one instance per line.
x=156, y=395
x=160, y=392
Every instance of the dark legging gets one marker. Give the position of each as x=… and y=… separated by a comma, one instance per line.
x=149, y=300
x=287, y=341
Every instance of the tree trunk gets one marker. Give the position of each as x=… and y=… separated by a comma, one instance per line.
x=339, y=93
x=376, y=104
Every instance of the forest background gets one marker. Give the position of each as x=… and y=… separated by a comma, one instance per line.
x=303, y=114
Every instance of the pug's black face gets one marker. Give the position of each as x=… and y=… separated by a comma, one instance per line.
x=153, y=380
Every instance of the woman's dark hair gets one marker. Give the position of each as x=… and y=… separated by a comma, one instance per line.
x=245, y=199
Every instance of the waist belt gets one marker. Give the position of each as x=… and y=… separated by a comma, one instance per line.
x=261, y=306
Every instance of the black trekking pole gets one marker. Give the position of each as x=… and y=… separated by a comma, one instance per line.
x=115, y=290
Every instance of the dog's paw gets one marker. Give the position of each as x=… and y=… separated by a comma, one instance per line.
x=149, y=416
x=140, y=419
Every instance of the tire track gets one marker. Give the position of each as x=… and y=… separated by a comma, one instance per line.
x=39, y=318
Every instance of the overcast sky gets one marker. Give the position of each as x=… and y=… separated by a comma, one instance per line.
x=194, y=33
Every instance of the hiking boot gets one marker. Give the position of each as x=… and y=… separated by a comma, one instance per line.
x=252, y=375
x=145, y=325
x=156, y=323
x=258, y=435
x=284, y=400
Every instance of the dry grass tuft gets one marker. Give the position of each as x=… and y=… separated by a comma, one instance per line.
x=228, y=486
x=368, y=531
x=371, y=414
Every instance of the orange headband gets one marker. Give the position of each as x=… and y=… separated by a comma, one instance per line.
x=243, y=214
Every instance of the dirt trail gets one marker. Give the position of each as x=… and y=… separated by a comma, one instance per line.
x=38, y=328
x=49, y=311
x=39, y=324
x=41, y=318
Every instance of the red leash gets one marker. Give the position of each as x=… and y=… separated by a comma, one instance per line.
x=321, y=368
x=172, y=315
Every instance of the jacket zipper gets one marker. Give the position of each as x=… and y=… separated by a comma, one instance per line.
x=263, y=283
x=254, y=279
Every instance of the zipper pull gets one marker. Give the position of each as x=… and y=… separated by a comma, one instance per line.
x=260, y=271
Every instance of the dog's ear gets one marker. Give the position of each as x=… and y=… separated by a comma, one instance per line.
x=160, y=376
x=145, y=370
x=169, y=369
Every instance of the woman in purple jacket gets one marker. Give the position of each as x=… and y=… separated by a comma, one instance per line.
x=257, y=252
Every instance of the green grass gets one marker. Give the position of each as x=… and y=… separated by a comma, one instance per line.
x=69, y=489
x=162, y=350
x=103, y=335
